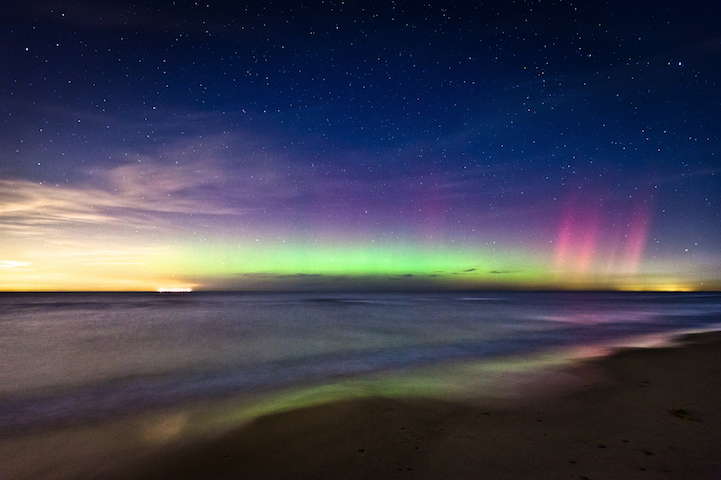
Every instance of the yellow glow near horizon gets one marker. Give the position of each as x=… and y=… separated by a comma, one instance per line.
x=76, y=266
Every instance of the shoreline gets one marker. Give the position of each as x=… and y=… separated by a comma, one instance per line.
x=644, y=413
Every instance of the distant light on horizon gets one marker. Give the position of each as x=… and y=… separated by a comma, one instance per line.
x=175, y=290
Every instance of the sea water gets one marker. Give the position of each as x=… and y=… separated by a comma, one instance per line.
x=74, y=357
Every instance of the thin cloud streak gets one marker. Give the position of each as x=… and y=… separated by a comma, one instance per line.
x=13, y=264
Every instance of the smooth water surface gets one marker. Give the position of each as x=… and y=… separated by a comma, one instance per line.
x=71, y=356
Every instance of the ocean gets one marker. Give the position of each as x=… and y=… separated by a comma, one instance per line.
x=82, y=357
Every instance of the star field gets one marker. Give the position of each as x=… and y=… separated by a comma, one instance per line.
x=343, y=145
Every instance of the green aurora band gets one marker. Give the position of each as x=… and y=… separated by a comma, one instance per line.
x=261, y=265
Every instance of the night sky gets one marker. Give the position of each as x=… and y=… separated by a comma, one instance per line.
x=360, y=145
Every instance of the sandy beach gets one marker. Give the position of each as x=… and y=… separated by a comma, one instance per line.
x=642, y=413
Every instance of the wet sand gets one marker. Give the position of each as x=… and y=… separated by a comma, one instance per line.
x=643, y=413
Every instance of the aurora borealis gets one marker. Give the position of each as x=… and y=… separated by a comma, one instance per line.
x=341, y=145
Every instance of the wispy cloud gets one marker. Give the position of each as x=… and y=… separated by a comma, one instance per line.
x=140, y=196
x=13, y=264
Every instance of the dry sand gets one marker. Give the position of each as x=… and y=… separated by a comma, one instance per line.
x=656, y=413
